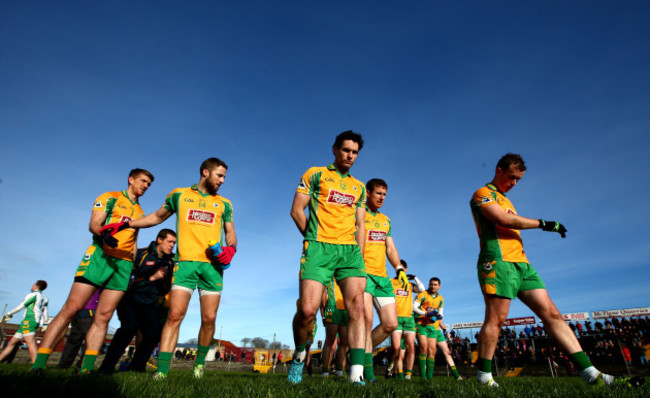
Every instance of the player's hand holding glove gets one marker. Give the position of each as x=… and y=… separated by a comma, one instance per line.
x=552, y=226
x=401, y=276
x=108, y=230
x=226, y=255
x=434, y=315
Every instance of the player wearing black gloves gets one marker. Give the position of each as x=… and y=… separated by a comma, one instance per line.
x=505, y=273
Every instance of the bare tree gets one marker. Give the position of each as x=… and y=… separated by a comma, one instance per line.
x=259, y=342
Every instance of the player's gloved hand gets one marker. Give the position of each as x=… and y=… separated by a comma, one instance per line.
x=114, y=228
x=434, y=314
x=401, y=277
x=226, y=255
x=108, y=230
x=553, y=226
x=410, y=276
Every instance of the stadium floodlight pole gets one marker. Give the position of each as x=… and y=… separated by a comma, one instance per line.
x=620, y=349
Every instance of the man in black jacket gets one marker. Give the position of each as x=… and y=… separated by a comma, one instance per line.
x=140, y=309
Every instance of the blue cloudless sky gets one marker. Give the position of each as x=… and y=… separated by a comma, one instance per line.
x=439, y=90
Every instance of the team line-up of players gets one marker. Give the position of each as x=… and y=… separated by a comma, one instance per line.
x=346, y=242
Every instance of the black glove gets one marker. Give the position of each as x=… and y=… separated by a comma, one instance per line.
x=410, y=276
x=552, y=226
x=109, y=240
x=107, y=232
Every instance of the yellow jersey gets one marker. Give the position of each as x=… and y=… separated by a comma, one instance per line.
x=199, y=218
x=119, y=208
x=427, y=302
x=497, y=243
x=378, y=228
x=335, y=198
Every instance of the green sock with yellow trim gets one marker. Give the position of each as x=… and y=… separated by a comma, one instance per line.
x=422, y=361
x=41, y=358
x=431, y=364
x=89, y=361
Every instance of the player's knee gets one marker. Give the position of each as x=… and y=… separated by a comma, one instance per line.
x=389, y=325
x=175, y=317
x=208, y=321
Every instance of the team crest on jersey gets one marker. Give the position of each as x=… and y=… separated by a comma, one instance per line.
x=344, y=185
x=340, y=198
x=376, y=236
x=215, y=205
x=487, y=267
x=486, y=200
x=354, y=187
x=99, y=204
x=202, y=216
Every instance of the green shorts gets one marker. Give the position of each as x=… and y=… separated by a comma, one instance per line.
x=379, y=286
x=103, y=270
x=431, y=332
x=189, y=275
x=336, y=317
x=507, y=279
x=320, y=261
x=27, y=328
x=406, y=324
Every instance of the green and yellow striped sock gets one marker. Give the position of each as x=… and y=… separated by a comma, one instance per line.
x=422, y=361
x=164, y=359
x=41, y=358
x=201, y=353
x=431, y=364
x=89, y=361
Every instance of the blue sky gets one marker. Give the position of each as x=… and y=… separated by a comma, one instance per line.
x=439, y=90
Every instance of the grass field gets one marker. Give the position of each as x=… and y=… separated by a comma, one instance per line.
x=15, y=381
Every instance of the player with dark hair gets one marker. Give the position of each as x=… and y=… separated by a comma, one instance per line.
x=106, y=264
x=379, y=245
x=441, y=343
x=202, y=216
x=140, y=307
x=505, y=273
x=35, y=316
x=427, y=307
x=333, y=244
x=405, y=331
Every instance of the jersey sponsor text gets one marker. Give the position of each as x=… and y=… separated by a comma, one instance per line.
x=341, y=198
x=206, y=217
x=376, y=236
